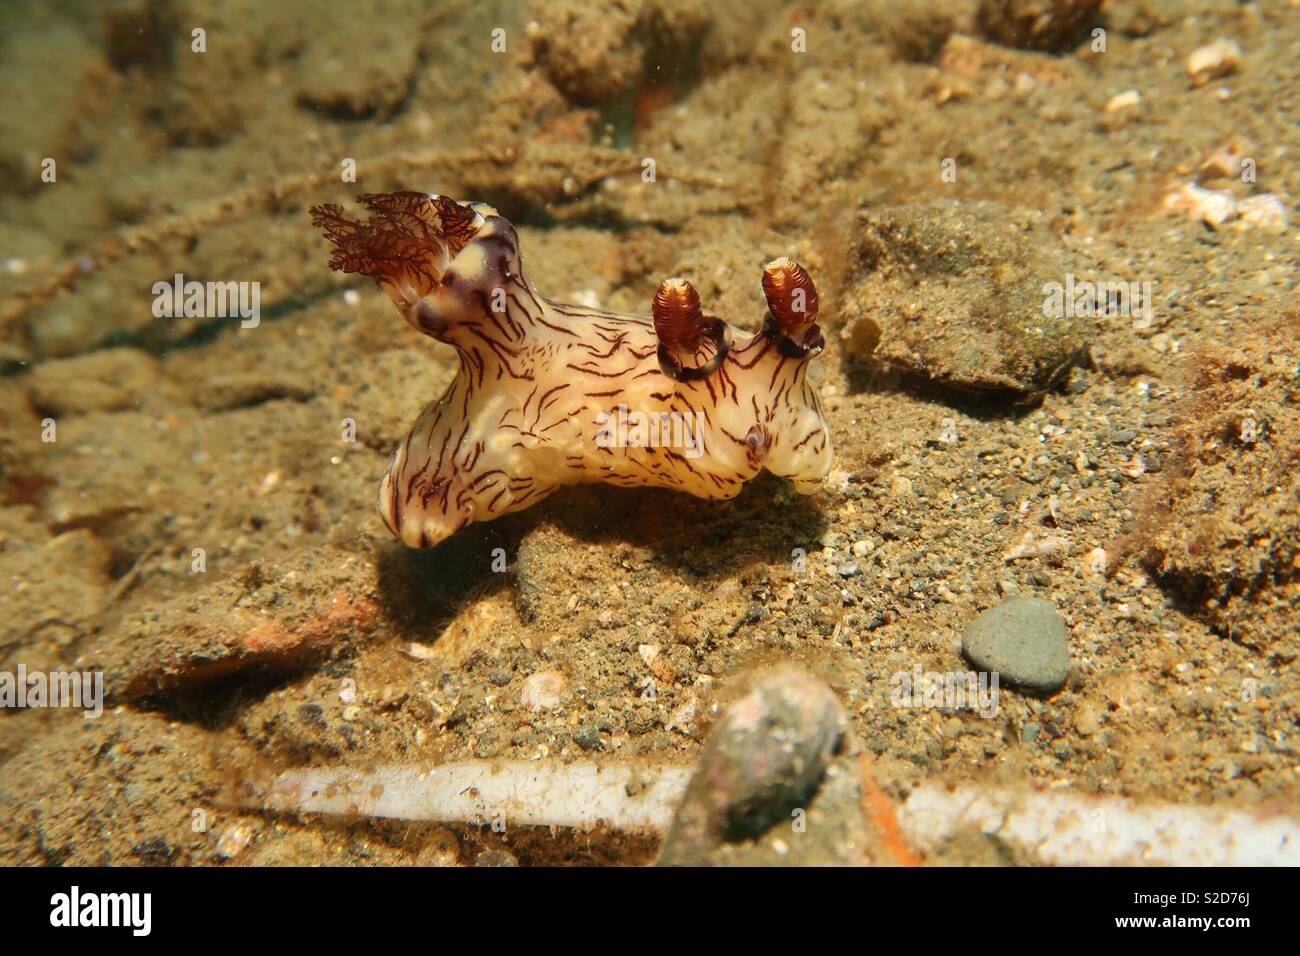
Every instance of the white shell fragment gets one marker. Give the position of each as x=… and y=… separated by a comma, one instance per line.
x=542, y=691
x=1265, y=210
x=1213, y=61
x=1215, y=207
x=1122, y=101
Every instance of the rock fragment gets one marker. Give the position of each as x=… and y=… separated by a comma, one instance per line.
x=955, y=297
x=766, y=758
x=1049, y=25
x=106, y=380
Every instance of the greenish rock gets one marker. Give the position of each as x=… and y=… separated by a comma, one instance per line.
x=588, y=738
x=1023, y=640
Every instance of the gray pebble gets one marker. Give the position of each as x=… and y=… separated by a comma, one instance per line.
x=1023, y=640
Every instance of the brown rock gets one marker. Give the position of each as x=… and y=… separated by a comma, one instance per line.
x=1052, y=25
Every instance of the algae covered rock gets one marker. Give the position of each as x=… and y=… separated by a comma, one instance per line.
x=954, y=294
x=1220, y=528
x=767, y=756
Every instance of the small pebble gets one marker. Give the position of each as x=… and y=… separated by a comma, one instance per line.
x=495, y=858
x=542, y=691
x=1121, y=101
x=1213, y=61
x=233, y=840
x=416, y=652
x=442, y=848
x=1023, y=639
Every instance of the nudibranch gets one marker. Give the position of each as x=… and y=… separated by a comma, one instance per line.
x=549, y=394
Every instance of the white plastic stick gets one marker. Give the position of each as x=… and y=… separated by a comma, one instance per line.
x=1070, y=829
x=1060, y=828
x=526, y=792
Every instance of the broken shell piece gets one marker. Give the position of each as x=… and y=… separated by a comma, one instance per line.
x=1213, y=207
x=1266, y=211
x=416, y=652
x=1135, y=467
x=1122, y=101
x=542, y=691
x=1223, y=163
x=1034, y=546
x=682, y=719
x=1213, y=61
x=233, y=840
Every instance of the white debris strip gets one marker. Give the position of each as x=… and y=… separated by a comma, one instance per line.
x=1074, y=830
x=1060, y=828
x=582, y=794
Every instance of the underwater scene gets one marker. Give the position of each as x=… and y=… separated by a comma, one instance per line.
x=456, y=433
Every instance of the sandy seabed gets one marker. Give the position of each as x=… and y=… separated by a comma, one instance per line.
x=202, y=533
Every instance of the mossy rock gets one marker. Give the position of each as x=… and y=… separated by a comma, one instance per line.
x=956, y=292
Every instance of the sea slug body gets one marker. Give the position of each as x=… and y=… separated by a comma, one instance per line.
x=549, y=394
